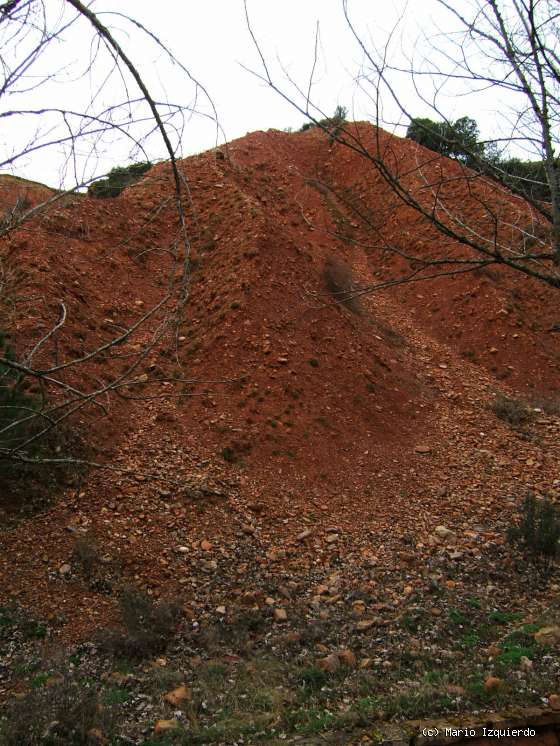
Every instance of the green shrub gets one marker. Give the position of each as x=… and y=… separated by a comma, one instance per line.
x=512, y=411
x=118, y=179
x=331, y=124
x=313, y=677
x=538, y=531
x=149, y=626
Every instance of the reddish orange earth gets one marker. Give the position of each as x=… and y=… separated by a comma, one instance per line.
x=305, y=435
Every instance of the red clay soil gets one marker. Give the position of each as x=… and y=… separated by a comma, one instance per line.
x=368, y=424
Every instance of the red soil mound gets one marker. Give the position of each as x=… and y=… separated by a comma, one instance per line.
x=369, y=417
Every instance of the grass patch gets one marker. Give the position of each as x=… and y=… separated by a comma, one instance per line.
x=115, y=696
x=504, y=617
x=307, y=721
x=457, y=617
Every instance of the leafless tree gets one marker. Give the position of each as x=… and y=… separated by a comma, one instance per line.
x=509, y=49
x=82, y=117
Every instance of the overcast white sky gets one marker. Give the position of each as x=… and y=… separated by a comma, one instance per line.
x=211, y=39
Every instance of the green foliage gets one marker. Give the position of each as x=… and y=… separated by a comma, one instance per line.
x=313, y=677
x=118, y=179
x=527, y=178
x=474, y=602
x=457, y=139
x=310, y=720
x=332, y=124
x=538, y=532
x=457, y=617
x=470, y=640
x=504, y=617
x=460, y=140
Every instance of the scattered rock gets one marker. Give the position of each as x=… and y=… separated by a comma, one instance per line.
x=358, y=608
x=444, y=533
x=205, y=545
x=162, y=726
x=280, y=615
x=525, y=664
x=331, y=538
x=554, y=702
x=455, y=690
x=177, y=696
x=64, y=570
x=347, y=658
x=293, y=637
x=330, y=664
x=285, y=591
x=365, y=624
x=221, y=610
x=422, y=449
x=304, y=535
x=493, y=684
x=96, y=737
x=548, y=635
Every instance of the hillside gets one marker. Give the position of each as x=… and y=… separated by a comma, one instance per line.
x=312, y=448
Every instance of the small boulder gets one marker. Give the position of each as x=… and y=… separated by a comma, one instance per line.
x=365, y=624
x=330, y=664
x=162, y=726
x=548, y=635
x=525, y=664
x=178, y=696
x=493, y=684
x=347, y=658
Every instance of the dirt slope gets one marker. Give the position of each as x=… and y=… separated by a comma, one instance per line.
x=371, y=425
